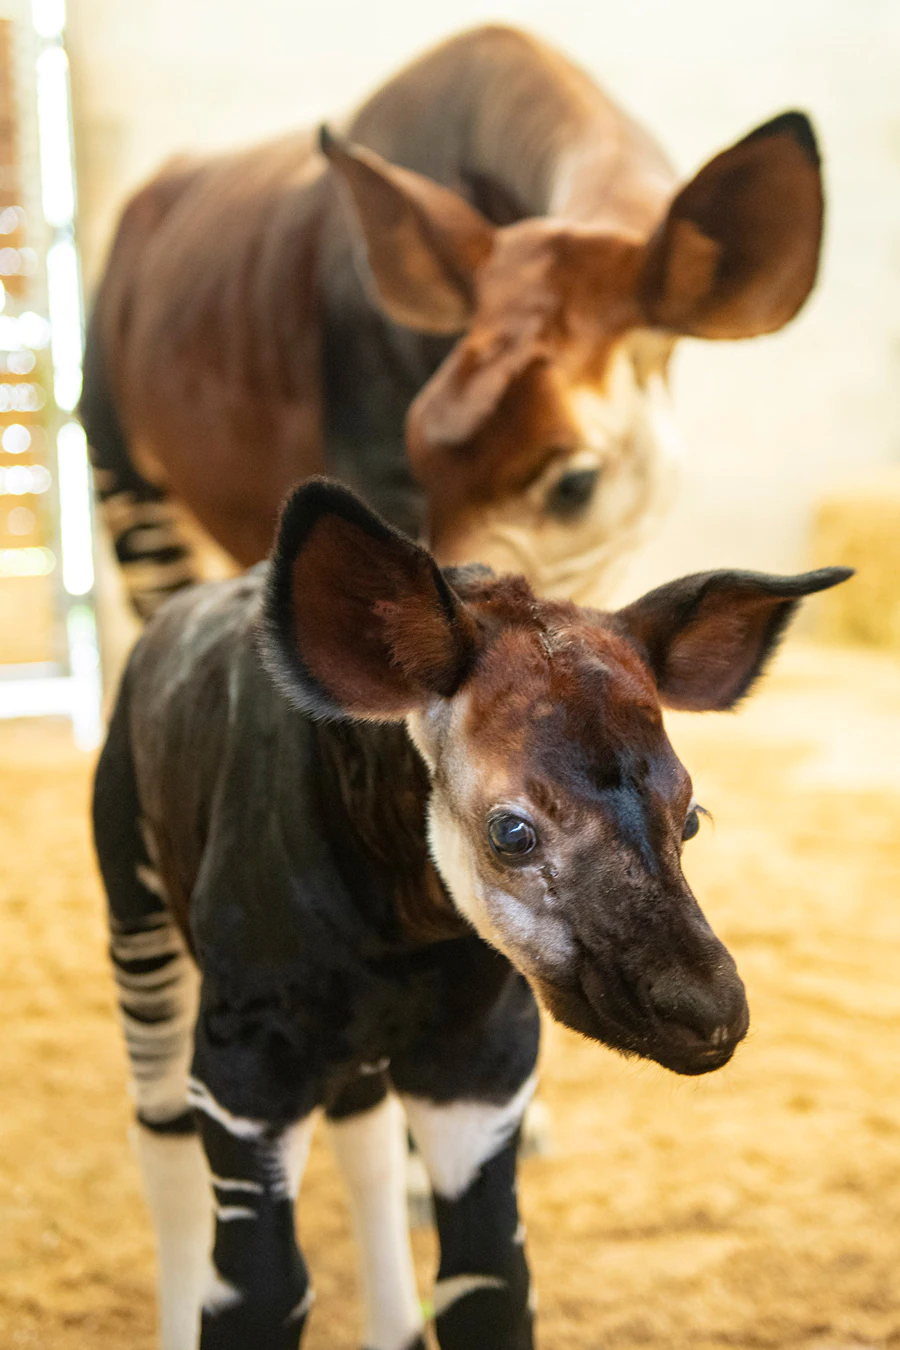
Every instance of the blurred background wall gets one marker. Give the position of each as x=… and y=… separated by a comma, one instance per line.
x=768, y=424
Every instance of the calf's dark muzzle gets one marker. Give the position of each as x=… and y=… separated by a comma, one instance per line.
x=669, y=992
x=697, y=1020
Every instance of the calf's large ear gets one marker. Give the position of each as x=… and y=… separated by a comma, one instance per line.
x=738, y=251
x=357, y=620
x=424, y=243
x=706, y=638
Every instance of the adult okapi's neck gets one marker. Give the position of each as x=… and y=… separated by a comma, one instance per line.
x=521, y=131
x=371, y=372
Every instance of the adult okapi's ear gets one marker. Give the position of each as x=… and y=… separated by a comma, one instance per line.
x=424, y=243
x=738, y=251
x=357, y=620
x=707, y=637
x=466, y=390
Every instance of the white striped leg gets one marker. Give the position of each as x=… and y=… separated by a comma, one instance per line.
x=155, y=556
x=258, y=1293
x=177, y=1185
x=158, y=987
x=371, y=1152
x=482, y=1296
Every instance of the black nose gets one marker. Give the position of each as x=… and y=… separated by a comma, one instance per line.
x=714, y=1010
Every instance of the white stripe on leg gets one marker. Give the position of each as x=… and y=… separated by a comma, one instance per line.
x=292, y=1154
x=457, y=1138
x=179, y=1195
x=446, y=1292
x=158, y=987
x=269, y=1170
x=159, y=990
x=371, y=1152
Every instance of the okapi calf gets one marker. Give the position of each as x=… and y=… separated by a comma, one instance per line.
x=353, y=814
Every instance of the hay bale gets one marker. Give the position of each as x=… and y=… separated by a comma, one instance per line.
x=859, y=526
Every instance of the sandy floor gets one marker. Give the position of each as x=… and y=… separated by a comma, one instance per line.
x=758, y=1207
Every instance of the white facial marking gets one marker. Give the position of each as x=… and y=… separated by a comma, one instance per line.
x=453, y=859
x=627, y=433
x=532, y=933
x=439, y=726
x=457, y=1139
x=421, y=733
x=371, y=1152
x=663, y=424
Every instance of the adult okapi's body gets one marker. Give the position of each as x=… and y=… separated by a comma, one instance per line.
x=529, y=266
x=255, y=815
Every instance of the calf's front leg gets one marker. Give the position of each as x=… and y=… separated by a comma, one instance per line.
x=482, y=1297
x=259, y=1292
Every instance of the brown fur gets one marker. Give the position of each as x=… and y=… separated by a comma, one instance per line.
x=382, y=596
x=547, y=715
x=389, y=826
x=209, y=318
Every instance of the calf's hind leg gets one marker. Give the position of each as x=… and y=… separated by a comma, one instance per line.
x=158, y=1027
x=157, y=985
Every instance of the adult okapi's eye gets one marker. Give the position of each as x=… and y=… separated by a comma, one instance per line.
x=692, y=824
x=511, y=836
x=572, y=492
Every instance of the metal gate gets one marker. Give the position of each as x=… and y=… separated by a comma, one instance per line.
x=48, y=643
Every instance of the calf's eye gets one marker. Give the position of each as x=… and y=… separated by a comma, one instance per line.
x=511, y=836
x=692, y=824
x=572, y=492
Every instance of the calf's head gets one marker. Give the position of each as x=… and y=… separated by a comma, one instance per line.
x=558, y=808
x=544, y=441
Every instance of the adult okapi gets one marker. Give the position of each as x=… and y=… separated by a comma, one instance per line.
x=283, y=941
x=508, y=282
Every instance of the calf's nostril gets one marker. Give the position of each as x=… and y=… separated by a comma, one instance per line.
x=675, y=1000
